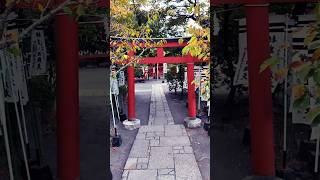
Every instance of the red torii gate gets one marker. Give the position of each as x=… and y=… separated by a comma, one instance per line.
x=160, y=58
x=260, y=97
x=67, y=94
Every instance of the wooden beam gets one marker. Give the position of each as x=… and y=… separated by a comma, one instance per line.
x=169, y=60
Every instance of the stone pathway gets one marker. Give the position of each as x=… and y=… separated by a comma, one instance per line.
x=161, y=150
x=160, y=113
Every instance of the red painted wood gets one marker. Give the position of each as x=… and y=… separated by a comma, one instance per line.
x=191, y=91
x=160, y=52
x=260, y=97
x=148, y=60
x=219, y=2
x=131, y=95
x=67, y=98
x=169, y=60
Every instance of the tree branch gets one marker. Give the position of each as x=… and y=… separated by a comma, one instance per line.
x=47, y=16
x=47, y=5
x=123, y=67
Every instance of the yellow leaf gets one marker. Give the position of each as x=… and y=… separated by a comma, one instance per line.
x=40, y=7
x=9, y=2
x=196, y=10
x=281, y=73
x=316, y=55
x=180, y=41
x=310, y=37
x=125, y=56
x=298, y=91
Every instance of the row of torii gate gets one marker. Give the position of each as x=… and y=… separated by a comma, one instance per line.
x=67, y=100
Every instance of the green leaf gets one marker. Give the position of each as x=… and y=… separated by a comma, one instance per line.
x=185, y=50
x=269, y=63
x=304, y=71
x=67, y=10
x=302, y=102
x=14, y=51
x=313, y=114
x=80, y=10
x=314, y=45
x=316, y=76
x=316, y=121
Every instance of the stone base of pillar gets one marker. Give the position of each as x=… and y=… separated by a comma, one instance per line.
x=261, y=178
x=131, y=124
x=192, y=122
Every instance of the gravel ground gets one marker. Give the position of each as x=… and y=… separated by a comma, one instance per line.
x=231, y=159
x=93, y=129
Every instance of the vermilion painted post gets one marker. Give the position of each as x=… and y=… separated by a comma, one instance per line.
x=260, y=98
x=67, y=97
x=131, y=95
x=191, y=94
x=160, y=52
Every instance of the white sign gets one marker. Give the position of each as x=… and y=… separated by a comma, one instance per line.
x=165, y=66
x=14, y=75
x=121, y=79
x=114, y=86
x=277, y=39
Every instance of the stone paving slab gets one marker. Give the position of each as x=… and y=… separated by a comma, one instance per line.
x=174, y=141
x=142, y=174
x=161, y=150
x=140, y=148
x=161, y=158
x=186, y=168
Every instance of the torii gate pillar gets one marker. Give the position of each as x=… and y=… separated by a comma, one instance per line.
x=191, y=121
x=67, y=97
x=260, y=97
x=132, y=122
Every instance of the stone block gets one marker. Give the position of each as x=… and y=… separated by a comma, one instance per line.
x=142, y=174
x=131, y=164
x=186, y=167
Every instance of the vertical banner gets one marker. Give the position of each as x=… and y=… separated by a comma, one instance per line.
x=121, y=78
x=277, y=24
x=165, y=68
x=38, y=53
x=14, y=73
x=114, y=86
